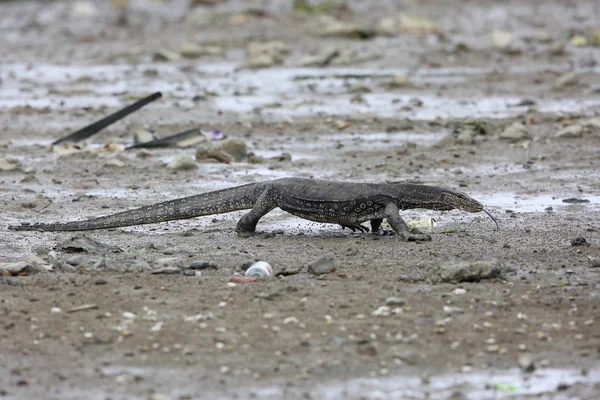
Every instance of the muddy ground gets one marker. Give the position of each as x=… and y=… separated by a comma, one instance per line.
x=394, y=112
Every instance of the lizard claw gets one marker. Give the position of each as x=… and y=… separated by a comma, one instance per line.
x=360, y=227
x=245, y=234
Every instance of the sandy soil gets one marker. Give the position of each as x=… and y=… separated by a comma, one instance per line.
x=387, y=118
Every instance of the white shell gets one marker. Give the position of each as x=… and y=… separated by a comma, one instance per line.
x=260, y=269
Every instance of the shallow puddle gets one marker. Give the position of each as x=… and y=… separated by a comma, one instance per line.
x=295, y=91
x=475, y=385
x=500, y=384
x=540, y=203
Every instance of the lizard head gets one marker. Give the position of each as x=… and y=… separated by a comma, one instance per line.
x=460, y=201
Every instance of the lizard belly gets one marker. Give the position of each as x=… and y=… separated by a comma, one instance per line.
x=331, y=219
x=333, y=216
x=351, y=212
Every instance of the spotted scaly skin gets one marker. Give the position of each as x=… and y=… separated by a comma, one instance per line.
x=344, y=203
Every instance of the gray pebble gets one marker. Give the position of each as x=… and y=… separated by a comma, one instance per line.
x=75, y=260
x=200, y=265
x=395, y=301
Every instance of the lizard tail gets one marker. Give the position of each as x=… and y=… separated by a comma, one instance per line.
x=217, y=202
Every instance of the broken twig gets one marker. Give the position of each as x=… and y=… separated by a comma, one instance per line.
x=166, y=141
x=97, y=126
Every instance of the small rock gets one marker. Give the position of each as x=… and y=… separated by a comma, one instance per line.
x=525, y=103
x=575, y=200
x=467, y=271
x=398, y=82
x=579, y=241
x=578, y=41
x=9, y=164
x=213, y=155
x=347, y=30
x=592, y=123
x=492, y=348
x=453, y=310
x=320, y=59
x=265, y=54
x=182, y=162
x=113, y=162
x=284, y=157
x=137, y=265
x=416, y=23
x=160, y=396
x=67, y=149
x=142, y=136
x=526, y=363
x=290, y=320
x=382, y=311
x=354, y=56
x=166, y=271
x=543, y=37
x=236, y=148
x=323, y=265
x=227, y=151
x=571, y=131
x=143, y=153
x=200, y=265
x=53, y=258
x=367, y=348
x=14, y=268
x=75, y=260
x=568, y=79
x=395, y=301
x=166, y=55
x=35, y=260
x=193, y=50
x=408, y=357
x=259, y=61
x=83, y=244
x=515, y=132
x=169, y=262
x=22, y=267
x=387, y=26
x=83, y=9
x=502, y=39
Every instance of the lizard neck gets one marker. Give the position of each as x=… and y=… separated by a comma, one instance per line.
x=409, y=196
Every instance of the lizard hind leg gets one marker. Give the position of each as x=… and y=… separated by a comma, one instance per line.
x=376, y=228
x=265, y=203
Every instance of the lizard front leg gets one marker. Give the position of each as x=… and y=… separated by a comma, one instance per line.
x=399, y=226
x=265, y=203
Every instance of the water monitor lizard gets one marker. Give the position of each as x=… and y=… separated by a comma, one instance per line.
x=344, y=203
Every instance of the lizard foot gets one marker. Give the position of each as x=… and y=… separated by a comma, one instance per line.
x=245, y=234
